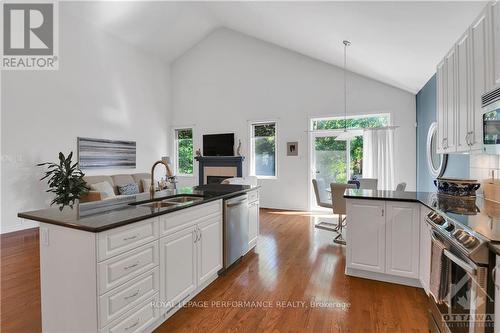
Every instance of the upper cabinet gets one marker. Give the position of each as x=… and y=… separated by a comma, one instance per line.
x=495, y=15
x=461, y=94
x=451, y=107
x=465, y=73
x=442, y=124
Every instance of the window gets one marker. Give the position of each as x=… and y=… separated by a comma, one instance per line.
x=263, y=162
x=336, y=161
x=352, y=122
x=184, y=151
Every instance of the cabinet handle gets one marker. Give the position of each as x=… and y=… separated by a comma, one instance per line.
x=199, y=232
x=382, y=212
x=130, y=238
x=471, y=136
x=131, y=266
x=133, y=325
x=133, y=295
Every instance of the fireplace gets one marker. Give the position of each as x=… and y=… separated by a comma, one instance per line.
x=216, y=179
x=214, y=169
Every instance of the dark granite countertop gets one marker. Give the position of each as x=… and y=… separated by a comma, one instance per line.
x=477, y=213
x=409, y=196
x=107, y=214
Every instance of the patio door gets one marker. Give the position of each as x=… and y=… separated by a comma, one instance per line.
x=334, y=161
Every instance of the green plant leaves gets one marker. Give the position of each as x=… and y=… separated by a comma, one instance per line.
x=65, y=179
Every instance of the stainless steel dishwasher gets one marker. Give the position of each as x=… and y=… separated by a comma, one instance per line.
x=235, y=229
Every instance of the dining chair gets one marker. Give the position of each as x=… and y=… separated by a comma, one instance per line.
x=401, y=187
x=339, y=208
x=322, y=197
x=323, y=200
x=368, y=183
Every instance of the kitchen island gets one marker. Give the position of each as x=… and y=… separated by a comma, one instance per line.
x=407, y=237
x=388, y=238
x=129, y=264
x=383, y=229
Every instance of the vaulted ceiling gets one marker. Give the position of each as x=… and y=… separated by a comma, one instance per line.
x=398, y=43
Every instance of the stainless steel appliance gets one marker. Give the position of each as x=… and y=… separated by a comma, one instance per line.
x=466, y=305
x=235, y=229
x=491, y=121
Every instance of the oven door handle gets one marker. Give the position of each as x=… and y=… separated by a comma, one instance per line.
x=469, y=268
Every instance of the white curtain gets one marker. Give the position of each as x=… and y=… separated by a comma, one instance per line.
x=378, y=156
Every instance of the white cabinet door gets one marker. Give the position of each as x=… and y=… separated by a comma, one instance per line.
x=253, y=223
x=463, y=93
x=178, y=266
x=450, y=116
x=495, y=14
x=441, y=105
x=209, y=246
x=402, y=238
x=480, y=70
x=425, y=250
x=366, y=235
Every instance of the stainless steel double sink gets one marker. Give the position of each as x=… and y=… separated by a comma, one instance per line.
x=172, y=202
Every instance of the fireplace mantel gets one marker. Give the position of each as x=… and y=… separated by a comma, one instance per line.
x=219, y=161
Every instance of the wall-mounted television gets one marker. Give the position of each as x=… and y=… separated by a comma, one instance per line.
x=218, y=144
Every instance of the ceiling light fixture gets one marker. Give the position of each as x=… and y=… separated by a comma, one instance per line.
x=345, y=134
x=348, y=134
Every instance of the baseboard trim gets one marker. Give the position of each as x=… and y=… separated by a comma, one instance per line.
x=383, y=277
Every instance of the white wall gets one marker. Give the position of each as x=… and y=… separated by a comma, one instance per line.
x=229, y=79
x=104, y=88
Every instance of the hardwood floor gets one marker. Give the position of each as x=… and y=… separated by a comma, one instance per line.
x=293, y=265
x=20, y=282
x=294, y=262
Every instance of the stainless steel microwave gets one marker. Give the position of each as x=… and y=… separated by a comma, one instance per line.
x=491, y=121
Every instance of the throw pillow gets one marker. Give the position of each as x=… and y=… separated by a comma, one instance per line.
x=104, y=188
x=146, y=184
x=128, y=189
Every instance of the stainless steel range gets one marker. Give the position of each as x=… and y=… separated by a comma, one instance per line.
x=463, y=269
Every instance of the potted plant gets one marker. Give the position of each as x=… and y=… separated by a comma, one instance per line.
x=65, y=179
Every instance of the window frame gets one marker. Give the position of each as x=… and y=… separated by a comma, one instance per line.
x=313, y=119
x=251, y=125
x=176, y=151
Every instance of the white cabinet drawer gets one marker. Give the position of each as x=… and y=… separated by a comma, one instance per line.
x=117, y=270
x=253, y=195
x=137, y=320
x=125, y=297
x=115, y=241
x=179, y=220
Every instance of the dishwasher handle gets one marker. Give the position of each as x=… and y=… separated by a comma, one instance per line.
x=237, y=201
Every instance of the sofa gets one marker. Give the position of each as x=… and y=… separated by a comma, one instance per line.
x=115, y=181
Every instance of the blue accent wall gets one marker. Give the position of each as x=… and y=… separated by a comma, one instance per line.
x=458, y=164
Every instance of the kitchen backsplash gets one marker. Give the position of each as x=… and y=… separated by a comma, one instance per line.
x=486, y=169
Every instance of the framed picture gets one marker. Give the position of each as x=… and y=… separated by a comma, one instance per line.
x=292, y=148
x=102, y=153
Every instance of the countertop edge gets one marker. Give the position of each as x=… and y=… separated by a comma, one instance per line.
x=380, y=198
x=388, y=199
x=27, y=216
